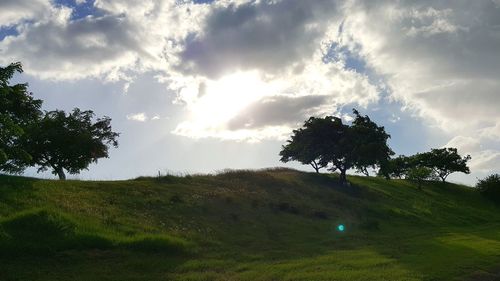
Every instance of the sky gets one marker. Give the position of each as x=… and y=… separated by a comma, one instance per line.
x=202, y=86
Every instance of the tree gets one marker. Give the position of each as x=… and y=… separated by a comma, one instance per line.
x=308, y=143
x=300, y=148
x=370, y=147
x=70, y=142
x=361, y=145
x=395, y=167
x=419, y=174
x=18, y=109
x=445, y=161
x=328, y=141
x=490, y=187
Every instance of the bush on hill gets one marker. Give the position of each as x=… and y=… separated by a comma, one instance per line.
x=490, y=187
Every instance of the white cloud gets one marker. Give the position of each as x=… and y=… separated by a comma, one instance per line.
x=438, y=58
x=16, y=11
x=445, y=69
x=465, y=145
x=140, y=117
x=131, y=37
x=483, y=160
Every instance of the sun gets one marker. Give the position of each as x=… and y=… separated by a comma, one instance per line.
x=212, y=104
x=225, y=97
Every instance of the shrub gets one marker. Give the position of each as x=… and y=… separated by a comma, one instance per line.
x=490, y=187
x=419, y=175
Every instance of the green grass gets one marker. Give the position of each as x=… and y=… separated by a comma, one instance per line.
x=275, y=224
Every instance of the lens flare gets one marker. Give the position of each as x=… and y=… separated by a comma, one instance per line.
x=341, y=227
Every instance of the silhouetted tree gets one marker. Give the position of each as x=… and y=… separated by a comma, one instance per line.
x=301, y=148
x=18, y=109
x=361, y=145
x=369, y=141
x=395, y=167
x=490, y=187
x=308, y=144
x=445, y=161
x=70, y=142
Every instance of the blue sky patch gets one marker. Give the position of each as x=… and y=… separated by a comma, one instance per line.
x=351, y=60
x=8, y=31
x=80, y=10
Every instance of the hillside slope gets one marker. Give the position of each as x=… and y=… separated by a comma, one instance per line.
x=276, y=224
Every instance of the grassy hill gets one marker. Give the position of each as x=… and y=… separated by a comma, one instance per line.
x=276, y=224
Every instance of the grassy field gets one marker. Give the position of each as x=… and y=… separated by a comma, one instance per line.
x=273, y=224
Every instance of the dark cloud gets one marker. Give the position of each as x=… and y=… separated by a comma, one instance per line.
x=278, y=110
x=77, y=48
x=257, y=35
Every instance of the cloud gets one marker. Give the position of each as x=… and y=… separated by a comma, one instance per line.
x=484, y=160
x=439, y=59
x=276, y=110
x=121, y=39
x=140, y=117
x=16, y=11
x=59, y=49
x=269, y=36
x=195, y=50
x=248, y=106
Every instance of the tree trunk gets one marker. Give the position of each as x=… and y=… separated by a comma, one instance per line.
x=60, y=173
x=343, y=176
x=365, y=172
x=315, y=166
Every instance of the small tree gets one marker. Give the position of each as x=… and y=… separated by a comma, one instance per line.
x=419, y=175
x=18, y=109
x=490, y=187
x=70, y=142
x=445, y=161
x=395, y=168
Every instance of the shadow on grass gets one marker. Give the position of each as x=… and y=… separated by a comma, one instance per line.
x=14, y=186
x=46, y=232
x=41, y=244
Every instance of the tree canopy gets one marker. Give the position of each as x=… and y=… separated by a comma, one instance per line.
x=445, y=161
x=490, y=187
x=395, y=167
x=70, y=142
x=327, y=141
x=369, y=145
x=419, y=174
x=309, y=143
x=18, y=109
